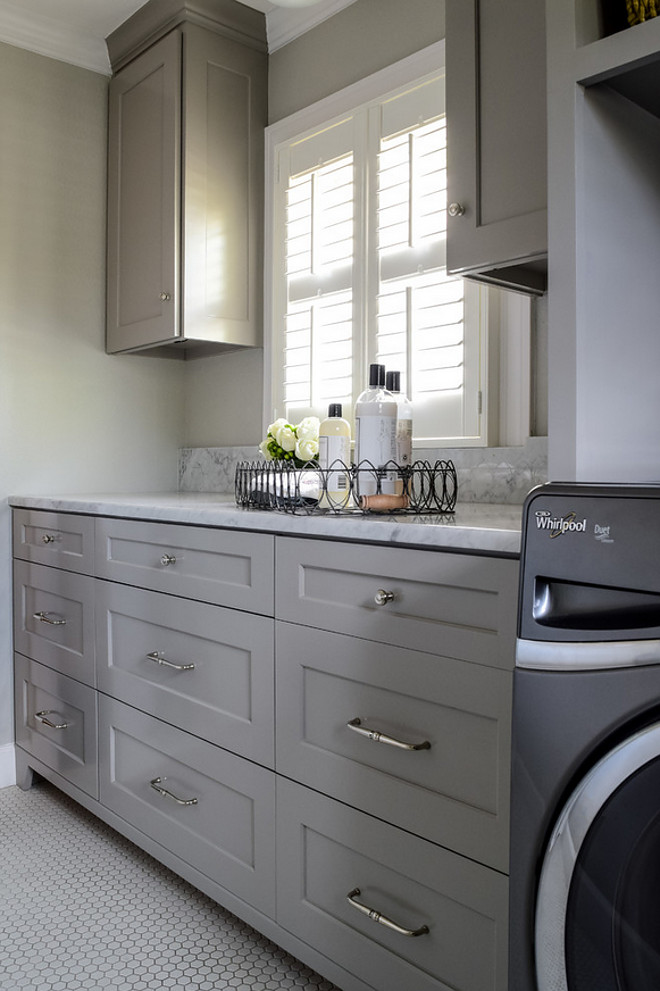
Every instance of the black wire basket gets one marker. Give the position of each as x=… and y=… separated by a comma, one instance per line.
x=421, y=488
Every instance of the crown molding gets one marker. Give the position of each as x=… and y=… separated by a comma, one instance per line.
x=47, y=36
x=284, y=24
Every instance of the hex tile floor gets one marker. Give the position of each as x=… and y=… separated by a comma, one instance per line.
x=83, y=908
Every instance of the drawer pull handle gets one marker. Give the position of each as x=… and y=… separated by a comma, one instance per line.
x=167, y=559
x=50, y=618
x=49, y=538
x=156, y=785
x=41, y=716
x=157, y=656
x=382, y=597
x=378, y=737
x=382, y=919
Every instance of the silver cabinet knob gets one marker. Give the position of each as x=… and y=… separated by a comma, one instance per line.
x=455, y=209
x=165, y=296
x=48, y=538
x=167, y=559
x=382, y=597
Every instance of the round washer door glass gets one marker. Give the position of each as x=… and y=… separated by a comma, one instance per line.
x=598, y=907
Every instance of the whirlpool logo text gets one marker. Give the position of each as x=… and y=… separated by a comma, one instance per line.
x=557, y=525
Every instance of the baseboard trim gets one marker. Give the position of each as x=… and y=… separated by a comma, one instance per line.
x=7, y=765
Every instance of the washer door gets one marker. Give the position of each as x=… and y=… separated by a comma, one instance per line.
x=598, y=906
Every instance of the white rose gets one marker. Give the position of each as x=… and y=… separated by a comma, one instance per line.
x=307, y=449
x=308, y=428
x=287, y=438
x=275, y=429
x=263, y=447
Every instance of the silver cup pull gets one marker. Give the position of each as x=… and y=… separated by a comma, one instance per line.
x=43, y=718
x=381, y=598
x=156, y=784
x=381, y=919
x=157, y=656
x=373, y=734
x=167, y=559
x=52, y=619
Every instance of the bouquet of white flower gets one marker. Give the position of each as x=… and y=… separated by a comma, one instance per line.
x=297, y=444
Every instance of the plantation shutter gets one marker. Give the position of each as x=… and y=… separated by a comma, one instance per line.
x=427, y=323
x=359, y=269
x=318, y=183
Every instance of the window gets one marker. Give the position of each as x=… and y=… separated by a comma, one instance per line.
x=357, y=235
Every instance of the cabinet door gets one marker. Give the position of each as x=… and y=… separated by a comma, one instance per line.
x=144, y=163
x=334, y=864
x=224, y=94
x=496, y=141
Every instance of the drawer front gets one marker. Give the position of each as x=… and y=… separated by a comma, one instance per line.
x=225, y=567
x=56, y=722
x=212, y=809
x=327, y=853
x=54, y=619
x=62, y=540
x=345, y=705
x=203, y=668
x=458, y=605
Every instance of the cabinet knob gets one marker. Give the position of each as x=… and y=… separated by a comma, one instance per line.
x=165, y=296
x=382, y=597
x=167, y=559
x=455, y=209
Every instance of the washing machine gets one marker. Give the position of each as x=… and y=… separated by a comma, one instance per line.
x=585, y=814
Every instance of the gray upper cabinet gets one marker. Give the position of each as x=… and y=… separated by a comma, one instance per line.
x=496, y=142
x=185, y=188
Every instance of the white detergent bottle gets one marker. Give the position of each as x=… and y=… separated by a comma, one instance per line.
x=335, y=449
x=375, y=435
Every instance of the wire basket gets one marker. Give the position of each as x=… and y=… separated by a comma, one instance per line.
x=340, y=489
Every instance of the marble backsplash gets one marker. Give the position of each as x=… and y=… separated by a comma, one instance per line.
x=502, y=475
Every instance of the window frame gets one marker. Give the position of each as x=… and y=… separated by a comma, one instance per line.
x=502, y=422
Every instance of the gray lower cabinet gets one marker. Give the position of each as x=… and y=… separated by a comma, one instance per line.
x=54, y=619
x=212, y=809
x=314, y=732
x=395, y=910
x=496, y=142
x=56, y=722
x=414, y=739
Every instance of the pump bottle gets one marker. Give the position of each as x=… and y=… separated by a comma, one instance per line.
x=335, y=447
x=375, y=434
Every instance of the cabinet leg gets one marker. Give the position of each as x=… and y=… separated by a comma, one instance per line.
x=24, y=773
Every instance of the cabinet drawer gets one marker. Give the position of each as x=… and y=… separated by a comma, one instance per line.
x=458, y=605
x=228, y=568
x=54, y=619
x=56, y=722
x=59, y=539
x=455, y=791
x=203, y=668
x=214, y=810
x=327, y=851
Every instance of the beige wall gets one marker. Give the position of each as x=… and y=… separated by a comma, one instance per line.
x=71, y=418
x=224, y=394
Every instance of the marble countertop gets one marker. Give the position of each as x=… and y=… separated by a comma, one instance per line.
x=480, y=527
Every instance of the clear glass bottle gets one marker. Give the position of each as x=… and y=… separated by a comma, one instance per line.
x=335, y=446
x=404, y=420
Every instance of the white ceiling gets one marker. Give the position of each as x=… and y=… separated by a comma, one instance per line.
x=75, y=30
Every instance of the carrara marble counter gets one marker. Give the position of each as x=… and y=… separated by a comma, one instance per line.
x=476, y=527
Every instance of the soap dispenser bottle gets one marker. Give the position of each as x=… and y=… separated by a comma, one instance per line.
x=404, y=422
x=375, y=434
x=335, y=449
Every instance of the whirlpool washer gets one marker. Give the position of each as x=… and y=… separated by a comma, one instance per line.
x=585, y=829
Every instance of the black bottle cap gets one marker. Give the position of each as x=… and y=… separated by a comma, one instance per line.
x=334, y=409
x=393, y=381
x=376, y=376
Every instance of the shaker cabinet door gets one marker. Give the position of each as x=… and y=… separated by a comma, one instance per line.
x=496, y=141
x=144, y=166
